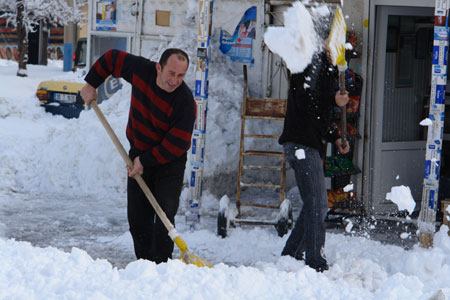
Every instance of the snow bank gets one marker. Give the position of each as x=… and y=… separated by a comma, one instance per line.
x=361, y=269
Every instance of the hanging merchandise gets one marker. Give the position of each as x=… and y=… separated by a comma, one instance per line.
x=201, y=99
x=429, y=207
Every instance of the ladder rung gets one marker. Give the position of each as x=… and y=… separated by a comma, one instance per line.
x=262, y=136
x=260, y=205
x=263, y=118
x=261, y=185
x=249, y=167
x=283, y=3
x=262, y=153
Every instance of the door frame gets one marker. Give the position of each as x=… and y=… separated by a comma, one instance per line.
x=370, y=128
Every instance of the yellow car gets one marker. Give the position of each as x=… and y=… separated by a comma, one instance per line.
x=61, y=97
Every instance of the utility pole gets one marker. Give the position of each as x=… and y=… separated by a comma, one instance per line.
x=69, y=41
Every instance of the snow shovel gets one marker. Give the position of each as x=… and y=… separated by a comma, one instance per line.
x=336, y=47
x=186, y=256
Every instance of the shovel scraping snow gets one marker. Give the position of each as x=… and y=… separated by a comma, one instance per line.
x=186, y=256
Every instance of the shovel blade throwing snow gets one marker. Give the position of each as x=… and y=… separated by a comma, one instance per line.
x=336, y=48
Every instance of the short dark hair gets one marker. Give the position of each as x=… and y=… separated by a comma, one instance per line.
x=181, y=55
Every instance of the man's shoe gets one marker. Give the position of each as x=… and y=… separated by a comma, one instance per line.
x=321, y=267
x=298, y=255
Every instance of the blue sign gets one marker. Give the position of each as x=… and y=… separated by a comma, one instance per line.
x=239, y=46
x=440, y=94
x=435, y=55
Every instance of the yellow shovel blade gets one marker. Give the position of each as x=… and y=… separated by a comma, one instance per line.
x=187, y=257
x=336, y=39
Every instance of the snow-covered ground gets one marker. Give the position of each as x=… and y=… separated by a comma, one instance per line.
x=64, y=233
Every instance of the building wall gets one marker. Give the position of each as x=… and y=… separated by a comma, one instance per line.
x=353, y=11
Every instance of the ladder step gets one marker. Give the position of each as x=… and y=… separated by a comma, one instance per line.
x=264, y=118
x=259, y=205
x=262, y=153
x=261, y=185
x=248, y=167
x=261, y=136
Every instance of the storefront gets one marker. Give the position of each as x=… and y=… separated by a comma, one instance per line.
x=394, y=61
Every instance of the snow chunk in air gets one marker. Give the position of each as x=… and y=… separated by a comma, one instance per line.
x=426, y=122
x=401, y=195
x=296, y=42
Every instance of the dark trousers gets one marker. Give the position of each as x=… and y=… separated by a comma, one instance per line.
x=309, y=232
x=150, y=236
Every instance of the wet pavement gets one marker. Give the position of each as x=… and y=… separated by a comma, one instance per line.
x=100, y=227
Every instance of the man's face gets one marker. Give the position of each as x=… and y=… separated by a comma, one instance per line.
x=171, y=76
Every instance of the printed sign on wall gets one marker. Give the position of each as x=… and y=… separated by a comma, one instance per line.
x=239, y=45
x=105, y=17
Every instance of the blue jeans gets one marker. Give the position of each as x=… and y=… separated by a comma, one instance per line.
x=309, y=232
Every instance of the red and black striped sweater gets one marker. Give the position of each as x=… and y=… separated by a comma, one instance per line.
x=160, y=123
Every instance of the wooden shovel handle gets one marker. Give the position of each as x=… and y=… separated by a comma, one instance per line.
x=161, y=214
x=344, y=110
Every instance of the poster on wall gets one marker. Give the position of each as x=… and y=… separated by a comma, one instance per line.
x=105, y=17
x=239, y=46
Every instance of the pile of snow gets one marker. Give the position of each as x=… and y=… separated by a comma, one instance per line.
x=79, y=149
x=361, y=269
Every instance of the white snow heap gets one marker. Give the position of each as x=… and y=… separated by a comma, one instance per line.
x=426, y=122
x=224, y=203
x=296, y=42
x=285, y=209
x=401, y=195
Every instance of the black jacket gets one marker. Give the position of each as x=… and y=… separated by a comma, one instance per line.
x=310, y=106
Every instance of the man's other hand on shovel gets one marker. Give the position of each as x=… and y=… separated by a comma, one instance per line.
x=341, y=100
x=88, y=93
x=137, y=168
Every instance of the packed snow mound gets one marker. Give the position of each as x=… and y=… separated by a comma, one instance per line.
x=362, y=269
x=76, y=156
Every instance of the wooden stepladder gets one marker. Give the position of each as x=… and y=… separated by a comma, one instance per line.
x=259, y=109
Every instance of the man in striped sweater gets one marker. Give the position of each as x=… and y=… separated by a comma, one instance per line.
x=160, y=123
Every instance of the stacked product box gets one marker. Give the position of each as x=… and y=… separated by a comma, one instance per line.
x=436, y=115
x=201, y=99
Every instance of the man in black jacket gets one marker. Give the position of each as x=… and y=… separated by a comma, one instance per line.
x=307, y=128
x=160, y=123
